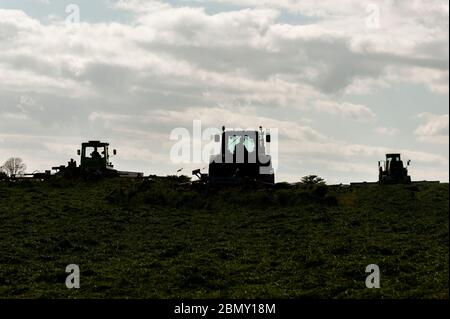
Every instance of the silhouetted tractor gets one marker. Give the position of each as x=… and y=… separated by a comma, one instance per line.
x=94, y=162
x=392, y=170
x=242, y=158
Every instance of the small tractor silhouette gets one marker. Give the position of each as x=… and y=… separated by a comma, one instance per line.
x=393, y=171
x=94, y=162
x=242, y=158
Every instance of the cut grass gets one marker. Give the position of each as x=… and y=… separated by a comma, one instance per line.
x=157, y=239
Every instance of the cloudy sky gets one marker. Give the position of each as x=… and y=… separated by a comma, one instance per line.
x=343, y=81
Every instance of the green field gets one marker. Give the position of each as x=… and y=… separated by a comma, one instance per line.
x=160, y=239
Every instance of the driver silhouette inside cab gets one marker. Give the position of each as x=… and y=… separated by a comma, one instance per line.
x=95, y=154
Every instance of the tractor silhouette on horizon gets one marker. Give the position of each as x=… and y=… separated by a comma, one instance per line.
x=392, y=170
x=94, y=162
x=242, y=158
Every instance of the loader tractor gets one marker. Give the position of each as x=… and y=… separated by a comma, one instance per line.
x=94, y=162
x=242, y=158
x=392, y=170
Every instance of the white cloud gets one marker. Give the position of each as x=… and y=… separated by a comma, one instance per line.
x=389, y=131
x=434, y=130
x=346, y=110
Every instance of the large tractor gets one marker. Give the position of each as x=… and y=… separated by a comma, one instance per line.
x=94, y=162
x=392, y=170
x=242, y=158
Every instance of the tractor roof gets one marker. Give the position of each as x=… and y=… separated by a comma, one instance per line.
x=95, y=144
x=241, y=132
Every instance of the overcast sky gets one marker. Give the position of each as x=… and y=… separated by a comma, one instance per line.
x=343, y=81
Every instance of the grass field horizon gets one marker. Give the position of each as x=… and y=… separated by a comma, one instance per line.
x=164, y=239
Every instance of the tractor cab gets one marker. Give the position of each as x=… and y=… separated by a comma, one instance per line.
x=392, y=170
x=242, y=156
x=95, y=156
